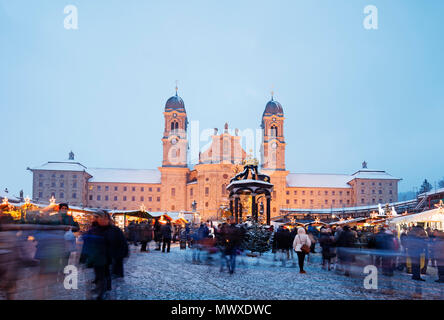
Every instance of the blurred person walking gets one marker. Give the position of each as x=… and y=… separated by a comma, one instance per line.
x=438, y=254
x=103, y=244
x=166, y=232
x=344, y=243
x=53, y=248
x=326, y=242
x=416, y=246
x=146, y=235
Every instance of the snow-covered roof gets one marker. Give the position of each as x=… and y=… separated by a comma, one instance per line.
x=124, y=175
x=315, y=180
x=373, y=207
x=429, y=215
x=431, y=192
x=372, y=174
x=61, y=166
x=8, y=195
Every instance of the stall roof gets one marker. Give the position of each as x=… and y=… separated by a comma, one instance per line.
x=429, y=215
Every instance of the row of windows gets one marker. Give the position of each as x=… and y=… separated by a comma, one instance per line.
x=333, y=192
x=61, y=195
x=380, y=184
x=379, y=191
x=41, y=175
x=62, y=184
x=124, y=198
x=125, y=188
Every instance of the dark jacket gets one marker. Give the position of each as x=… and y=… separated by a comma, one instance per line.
x=232, y=239
x=415, y=243
x=326, y=241
x=145, y=232
x=96, y=247
x=166, y=231
x=345, y=241
x=118, y=244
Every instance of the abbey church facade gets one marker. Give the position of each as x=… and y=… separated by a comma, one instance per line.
x=175, y=186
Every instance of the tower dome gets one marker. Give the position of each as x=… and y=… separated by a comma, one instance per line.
x=273, y=107
x=175, y=103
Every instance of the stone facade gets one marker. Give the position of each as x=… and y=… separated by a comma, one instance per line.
x=175, y=186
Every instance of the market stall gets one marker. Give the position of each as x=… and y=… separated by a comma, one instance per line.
x=123, y=218
x=431, y=218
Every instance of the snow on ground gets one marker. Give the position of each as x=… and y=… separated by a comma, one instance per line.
x=172, y=276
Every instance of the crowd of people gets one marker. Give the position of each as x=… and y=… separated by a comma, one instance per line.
x=342, y=247
x=104, y=248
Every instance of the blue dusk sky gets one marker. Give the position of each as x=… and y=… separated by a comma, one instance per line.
x=349, y=94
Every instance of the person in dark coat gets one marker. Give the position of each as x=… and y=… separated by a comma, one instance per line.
x=96, y=252
x=118, y=249
x=415, y=244
x=232, y=243
x=283, y=243
x=385, y=244
x=326, y=242
x=132, y=230
x=146, y=235
x=346, y=241
x=166, y=236
x=158, y=234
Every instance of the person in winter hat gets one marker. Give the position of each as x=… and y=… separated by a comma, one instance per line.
x=299, y=240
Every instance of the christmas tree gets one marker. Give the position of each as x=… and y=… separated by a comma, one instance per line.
x=257, y=239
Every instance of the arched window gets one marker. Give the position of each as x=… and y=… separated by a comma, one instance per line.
x=273, y=131
x=174, y=126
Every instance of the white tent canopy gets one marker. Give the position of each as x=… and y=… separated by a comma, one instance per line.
x=434, y=215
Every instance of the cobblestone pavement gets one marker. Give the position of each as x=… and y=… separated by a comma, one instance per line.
x=172, y=276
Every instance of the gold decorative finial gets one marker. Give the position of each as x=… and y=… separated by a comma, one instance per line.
x=176, y=87
x=272, y=92
x=249, y=160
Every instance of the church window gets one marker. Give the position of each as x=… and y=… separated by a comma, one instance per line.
x=273, y=131
x=207, y=191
